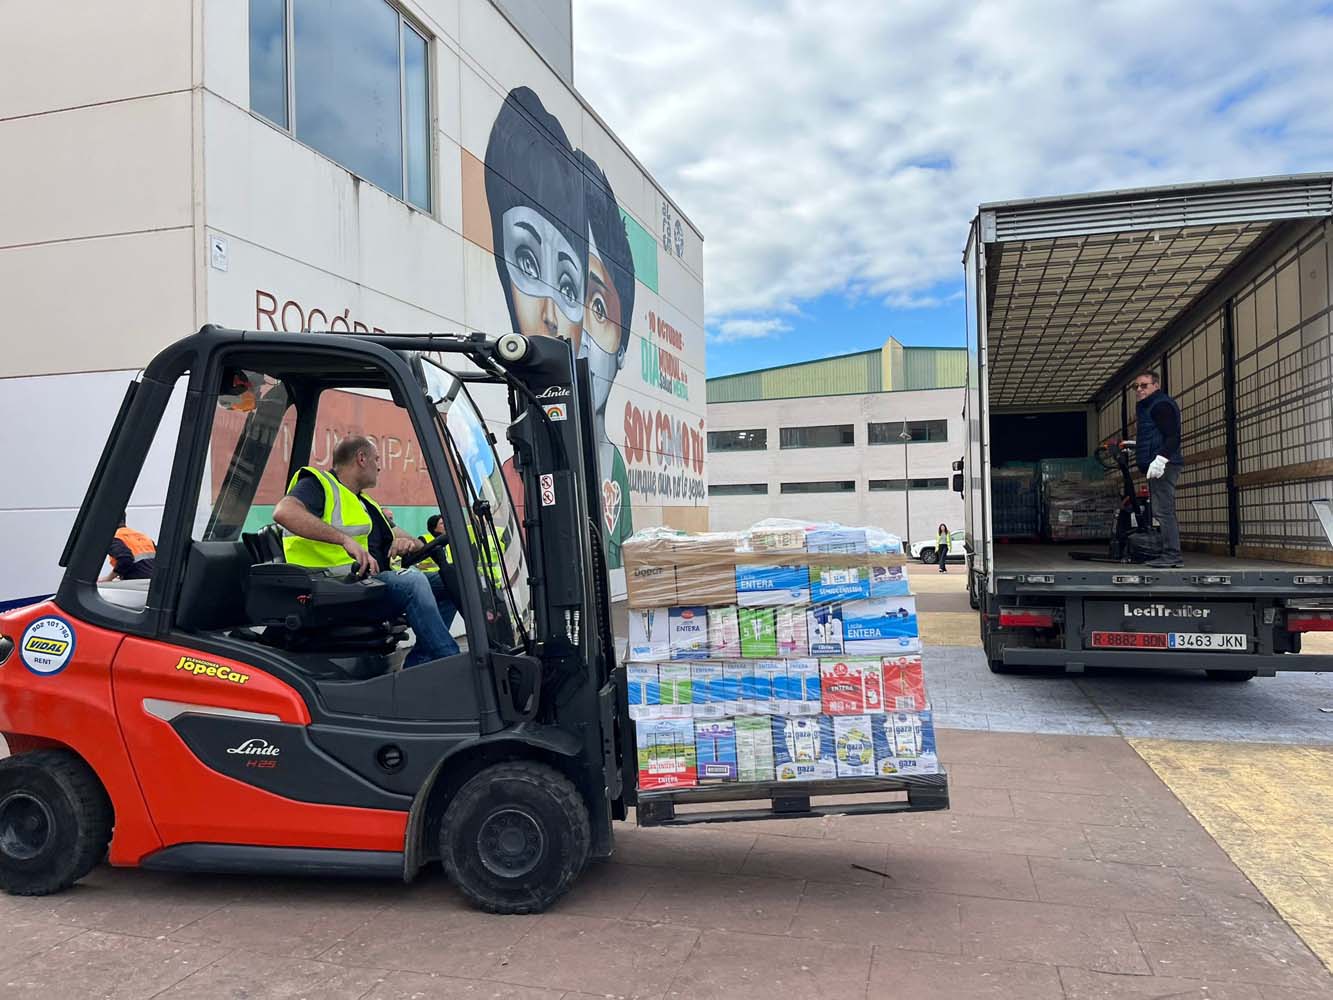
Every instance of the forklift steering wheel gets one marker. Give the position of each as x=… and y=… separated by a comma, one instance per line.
x=425, y=552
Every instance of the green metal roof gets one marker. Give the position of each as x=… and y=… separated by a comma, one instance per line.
x=887, y=369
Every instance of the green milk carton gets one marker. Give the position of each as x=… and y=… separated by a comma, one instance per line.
x=759, y=634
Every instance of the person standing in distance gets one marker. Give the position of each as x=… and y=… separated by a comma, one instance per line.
x=942, y=547
x=1157, y=418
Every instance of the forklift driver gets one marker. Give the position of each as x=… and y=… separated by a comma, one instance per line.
x=328, y=521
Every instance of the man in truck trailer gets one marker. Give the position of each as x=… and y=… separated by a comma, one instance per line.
x=1157, y=428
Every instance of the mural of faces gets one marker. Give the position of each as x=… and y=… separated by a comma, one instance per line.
x=545, y=272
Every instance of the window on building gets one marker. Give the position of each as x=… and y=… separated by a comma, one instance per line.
x=899, y=485
x=822, y=436
x=755, y=440
x=918, y=431
x=823, y=486
x=350, y=78
x=738, y=489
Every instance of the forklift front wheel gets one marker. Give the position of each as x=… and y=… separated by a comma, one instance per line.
x=515, y=837
x=55, y=821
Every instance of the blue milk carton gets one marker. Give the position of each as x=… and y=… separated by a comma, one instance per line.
x=888, y=581
x=905, y=743
x=842, y=583
x=715, y=747
x=689, y=633
x=824, y=626
x=803, y=748
x=770, y=687
x=845, y=540
x=737, y=687
x=642, y=690
x=854, y=746
x=706, y=691
x=803, y=688
x=649, y=638
x=880, y=626
x=769, y=586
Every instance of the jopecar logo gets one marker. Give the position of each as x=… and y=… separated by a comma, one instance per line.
x=1167, y=611
x=204, y=668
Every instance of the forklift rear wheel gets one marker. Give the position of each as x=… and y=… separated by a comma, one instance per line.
x=1235, y=676
x=55, y=821
x=515, y=837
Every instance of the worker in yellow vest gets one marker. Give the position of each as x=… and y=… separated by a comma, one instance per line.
x=131, y=554
x=328, y=520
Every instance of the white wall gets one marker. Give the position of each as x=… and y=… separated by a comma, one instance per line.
x=860, y=462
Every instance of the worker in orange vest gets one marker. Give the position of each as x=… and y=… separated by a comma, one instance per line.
x=131, y=554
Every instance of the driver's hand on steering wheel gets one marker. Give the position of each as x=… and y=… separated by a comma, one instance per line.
x=365, y=562
x=401, y=546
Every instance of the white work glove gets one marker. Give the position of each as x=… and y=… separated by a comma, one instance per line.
x=1157, y=468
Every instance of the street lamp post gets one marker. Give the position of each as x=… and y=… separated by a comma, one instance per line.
x=905, y=438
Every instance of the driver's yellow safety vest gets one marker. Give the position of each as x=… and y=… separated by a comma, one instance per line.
x=496, y=568
x=343, y=510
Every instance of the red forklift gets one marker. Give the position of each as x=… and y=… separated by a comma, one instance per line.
x=236, y=713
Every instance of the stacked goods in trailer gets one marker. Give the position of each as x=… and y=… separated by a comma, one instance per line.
x=1016, y=501
x=1078, y=500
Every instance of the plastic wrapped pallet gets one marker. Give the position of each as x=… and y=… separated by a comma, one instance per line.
x=1078, y=499
x=1016, y=501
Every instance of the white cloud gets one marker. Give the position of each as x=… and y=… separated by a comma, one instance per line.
x=843, y=147
x=730, y=330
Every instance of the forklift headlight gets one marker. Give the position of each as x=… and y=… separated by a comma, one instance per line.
x=512, y=347
x=6, y=647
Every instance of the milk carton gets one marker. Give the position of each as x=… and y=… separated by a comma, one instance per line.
x=724, y=634
x=847, y=583
x=649, y=637
x=851, y=686
x=689, y=633
x=790, y=625
x=706, y=691
x=667, y=755
x=854, y=746
x=880, y=626
x=848, y=540
x=769, y=586
x=754, y=748
x=770, y=687
x=904, y=683
x=715, y=747
x=737, y=686
x=642, y=690
x=888, y=581
x=803, y=748
x=759, y=637
x=803, y=688
x=823, y=622
x=677, y=696
x=905, y=744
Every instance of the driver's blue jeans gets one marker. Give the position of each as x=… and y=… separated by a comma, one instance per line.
x=421, y=596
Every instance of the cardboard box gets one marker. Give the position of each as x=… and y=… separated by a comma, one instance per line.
x=650, y=586
x=643, y=692
x=677, y=694
x=793, y=636
x=706, y=691
x=849, y=540
x=715, y=748
x=649, y=634
x=689, y=633
x=667, y=754
x=847, y=583
x=770, y=686
x=737, y=680
x=803, y=748
x=851, y=686
x=759, y=636
x=804, y=695
x=775, y=539
x=823, y=622
x=724, y=634
x=889, y=581
x=770, y=586
x=754, y=748
x=854, y=746
x=880, y=626
x=904, y=683
x=713, y=585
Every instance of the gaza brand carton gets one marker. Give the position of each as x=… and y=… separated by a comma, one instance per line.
x=769, y=586
x=724, y=634
x=803, y=688
x=904, y=743
x=737, y=686
x=649, y=635
x=854, y=747
x=880, y=626
x=715, y=747
x=803, y=748
x=706, y=691
x=848, y=583
x=845, y=540
x=759, y=637
x=851, y=686
x=667, y=755
x=689, y=633
x=888, y=581
x=790, y=624
x=754, y=748
x=823, y=623
x=904, y=683
x=642, y=690
x=677, y=697
x=770, y=687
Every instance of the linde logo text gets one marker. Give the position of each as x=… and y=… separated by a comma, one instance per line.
x=255, y=748
x=1167, y=611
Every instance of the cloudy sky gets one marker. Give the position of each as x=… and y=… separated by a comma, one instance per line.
x=833, y=153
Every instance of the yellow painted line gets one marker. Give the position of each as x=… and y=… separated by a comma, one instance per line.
x=950, y=628
x=1270, y=808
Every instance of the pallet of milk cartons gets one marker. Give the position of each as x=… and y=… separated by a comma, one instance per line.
x=773, y=668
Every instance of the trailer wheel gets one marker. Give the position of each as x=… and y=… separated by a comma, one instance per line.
x=973, y=598
x=1235, y=676
x=55, y=821
x=515, y=837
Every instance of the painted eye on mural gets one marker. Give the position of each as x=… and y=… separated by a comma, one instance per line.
x=527, y=262
x=599, y=308
x=569, y=290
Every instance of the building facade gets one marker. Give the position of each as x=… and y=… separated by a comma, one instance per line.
x=304, y=165
x=865, y=438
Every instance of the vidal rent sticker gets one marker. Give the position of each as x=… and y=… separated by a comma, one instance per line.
x=47, y=645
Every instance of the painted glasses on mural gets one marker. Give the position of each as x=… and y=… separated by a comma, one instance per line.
x=564, y=263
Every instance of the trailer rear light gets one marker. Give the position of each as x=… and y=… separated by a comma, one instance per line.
x=1026, y=618
x=1310, y=621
